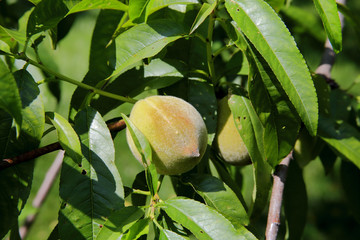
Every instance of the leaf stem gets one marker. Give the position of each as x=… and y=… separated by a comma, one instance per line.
x=209, y=55
x=142, y=192
x=73, y=81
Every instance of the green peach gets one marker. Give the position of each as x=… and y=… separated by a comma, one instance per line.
x=228, y=141
x=175, y=130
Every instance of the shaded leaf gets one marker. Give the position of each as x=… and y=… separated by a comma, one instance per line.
x=46, y=15
x=9, y=95
x=15, y=182
x=100, y=58
x=350, y=175
x=328, y=12
x=145, y=40
x=119, y=222
x=203, y=221
x=268, y=34
x=220, y=197
x=67, y=136
x=342, y=137
x=145, y=150
x=98, y=4
x=295, y=201
x=93, y=190
x=138, y=229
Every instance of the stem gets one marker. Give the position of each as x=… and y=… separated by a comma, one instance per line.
x=273, y=221
x=72, y=81
x=142, y=192
x=209, y=55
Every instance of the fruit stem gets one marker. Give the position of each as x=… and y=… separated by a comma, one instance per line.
x=95, y=90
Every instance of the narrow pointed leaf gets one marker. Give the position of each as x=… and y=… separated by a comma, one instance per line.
x=220, y=197
x=205, y=10
x=342, y=137
x=98, y=4
x=265, y=30
x=137, y=10
x=328, y=12
x=145, y=40
x=251, y=131
x=203, y=221
x=9, y=95
x=93, y=190
x=67, y=136
x=144, y=148
x=138, y=229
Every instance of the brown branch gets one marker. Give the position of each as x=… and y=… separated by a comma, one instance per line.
x=328, y=58
x=273, y=221
x=8, y=162
x=42, y=193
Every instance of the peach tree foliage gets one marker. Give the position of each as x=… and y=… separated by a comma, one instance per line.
x=199, y=51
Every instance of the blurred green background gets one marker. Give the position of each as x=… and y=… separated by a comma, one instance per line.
x=328, y=215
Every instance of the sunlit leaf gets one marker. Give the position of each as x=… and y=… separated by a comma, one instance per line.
x=220, y=196
x=271, y=38
x=203, y=221
x=98, y=4
x=67, y=136
x=145, y=40
x=328, y=12
x=93, y=190
x=205, y=10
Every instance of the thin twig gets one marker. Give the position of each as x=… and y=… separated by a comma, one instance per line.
x=42, y=193
x=8, y=162
x=273, y=221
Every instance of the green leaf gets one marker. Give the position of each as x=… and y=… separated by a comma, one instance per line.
x=140, y=228
x=93, y=190
x=98, y=4
x=144, y=148
x=137, y=10
x=100, y=58
x=295, y=201
x=276, y=4
x=169, y=235
x=205, y=10
x=15, y=182
x=287, y=122
x=9, y=95
x=328, y=12
x=268, y=34
x=155, y=5
x=8, y=36
x=46, y=15
x=119, y=222
x=342, y=137
x=350, y=175
x=203, y=221
x=54, y=235
x=67, y=136
x=145, y=40
x=220, y=197
x=157, y=74
x=202, y=96
x=251, y=131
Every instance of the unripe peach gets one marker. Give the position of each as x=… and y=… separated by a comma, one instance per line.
x=228, y=141
x=175, y=130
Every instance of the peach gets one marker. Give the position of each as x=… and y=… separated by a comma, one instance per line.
x=175, y=130
x=228, y=141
